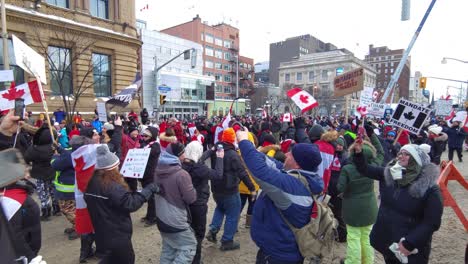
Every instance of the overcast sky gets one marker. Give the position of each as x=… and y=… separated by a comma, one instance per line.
x=347, y=24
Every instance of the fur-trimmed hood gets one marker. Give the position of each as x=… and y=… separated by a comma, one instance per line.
x=171, y=139
x=441, y=137
x=266, y=149
x=426, y=179
x=329, y=136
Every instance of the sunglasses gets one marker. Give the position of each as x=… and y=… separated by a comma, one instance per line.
x=406, y=154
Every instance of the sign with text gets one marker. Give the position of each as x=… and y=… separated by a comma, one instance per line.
x=29, y=60
x=349, y=82
x=135, y=162
x=443, y=107
x=366, y=96
x=376, y=109
x=410, y=116
x=102, y=113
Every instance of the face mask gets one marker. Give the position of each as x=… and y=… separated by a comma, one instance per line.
x=397, y=171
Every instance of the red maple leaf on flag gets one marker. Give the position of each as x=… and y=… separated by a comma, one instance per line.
x=12, y=93
x=304, y=99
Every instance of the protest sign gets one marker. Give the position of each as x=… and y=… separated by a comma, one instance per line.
x=443, y=107
x=366, y=96
x=135, y=162
x=410, y=116
x=29, y=60
x=376, y=109
x=349, y=82
x=102, y=113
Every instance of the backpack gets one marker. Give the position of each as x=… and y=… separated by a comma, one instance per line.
x=317, y=238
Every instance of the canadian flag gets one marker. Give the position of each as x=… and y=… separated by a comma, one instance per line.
x=264, y=114
x=191, y=129
x=302, y=99
x=465, y=125
x=28, y=91
x=451, y=115
x=287, y=117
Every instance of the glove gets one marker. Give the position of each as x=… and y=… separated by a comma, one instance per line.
x=149, y=190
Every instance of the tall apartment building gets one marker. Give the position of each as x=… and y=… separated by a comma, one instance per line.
x=58, y=30
x=385, y=61
x=221, y=59
x=292, y=48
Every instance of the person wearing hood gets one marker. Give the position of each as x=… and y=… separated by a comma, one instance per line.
x=130, y=141
x=389, y=146
x=414, y=214
x=167, y=137
x=324, y=142
x=437, y=141
x=359, y=207
x=301, y=133
x=226, y=193
x=283, y=195
x=39, y=154
x=177, y=193
x=144, y=116
x=149, y=137
x=110, y=203
x=194, y=164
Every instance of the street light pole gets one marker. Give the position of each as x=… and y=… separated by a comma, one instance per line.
x=444, y=61
x=237, y=80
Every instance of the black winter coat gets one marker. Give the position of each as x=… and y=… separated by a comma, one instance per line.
x=456, y=136
x=437, y=147
x=40, y=157
x=110, y=210
x=148, y=176
x=200, y=174
x=233, y=173
x=413, y=212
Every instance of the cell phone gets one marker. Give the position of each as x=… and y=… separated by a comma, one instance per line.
x=19, y=107
x=219, y=147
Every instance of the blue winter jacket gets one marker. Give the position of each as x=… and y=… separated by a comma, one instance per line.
x=456, y=136
x=64, y=166
x=280, y=191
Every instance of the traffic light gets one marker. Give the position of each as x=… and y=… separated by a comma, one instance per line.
x=422, y=82
x=162, y=99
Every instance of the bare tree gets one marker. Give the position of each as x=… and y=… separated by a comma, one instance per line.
x=66, y=50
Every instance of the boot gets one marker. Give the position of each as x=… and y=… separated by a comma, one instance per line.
x=229, y=245
x=68, y=230
x=87, y=249
x=248, y=220
x=73, y=235
x=211, y=236
x=45, y=214
x=56, y=210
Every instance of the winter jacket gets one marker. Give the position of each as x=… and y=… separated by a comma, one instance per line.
x=127, y=144
x=390, y=149
x=200, y=174
x=301, y=133
x=275, y=126
x=413, y=211
x=63, y=138
x=97, y=125
x=177, y=192
x=109, y=208
x=115, y=142
x=233, y=173
x=456, y=136
x=40, y=155
x=165, y=140
x=65, y=176
x=437, y=144
x=148, y=176
x=339, y=161
x=280, y=191
x=23, y=220
x=144, y=116
x=359, y=202
x=327, y=152
x=179, y=133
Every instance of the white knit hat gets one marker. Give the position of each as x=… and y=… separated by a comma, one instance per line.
x=194, y=151
x=105, y=160
x=418, y=154
x=435, y=129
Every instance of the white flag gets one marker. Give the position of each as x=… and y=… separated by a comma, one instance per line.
x=302, y=99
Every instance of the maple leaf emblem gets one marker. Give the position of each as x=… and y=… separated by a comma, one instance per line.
x=12, y=93
x=304, y=99
x=409, y=116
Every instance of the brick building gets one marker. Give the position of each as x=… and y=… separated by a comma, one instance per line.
x=385, y=61
x=220, y=56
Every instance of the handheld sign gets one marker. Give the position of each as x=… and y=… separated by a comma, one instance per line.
x=376, y=109
x=102, y=113
x=443, y=107
x=409, y=116
x=29, y=60
x=349, y=82
x=135, y=162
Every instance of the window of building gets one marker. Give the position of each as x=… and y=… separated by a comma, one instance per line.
x=60, y=69
x=209, y=38
x=209, y=51
x=60, y=3
x=227, y=67
x=202, y=36
x=99, y=8
x=218, y=76
x=311, y=76
x=227, y=43
x=209, y=73
x=227, y=55
x=299, y=76
x=219, y=42
x=209, y=64
x=219, y=89
x=219, y=54
x=325, y=74
x=227, y=89
x=227, y=77
x=18, y=73
x=287, y=77
x=102, y=75
x=218, y=66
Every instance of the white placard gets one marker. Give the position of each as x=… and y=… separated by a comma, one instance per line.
x=29, y=60
x=135, y=162
x=6, y=76
x=443, y=107
x=366, y=96
x=101, y=109
x=376, y=109
x=410, y=116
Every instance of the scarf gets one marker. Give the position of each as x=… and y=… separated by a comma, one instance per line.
x=410, y=174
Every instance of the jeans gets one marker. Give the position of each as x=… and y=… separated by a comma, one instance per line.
x=359, y=250
x=262, y=258
x=178, y=248
x=459, y=153
x=244, y=198
x=228, y=206
x=198, y=225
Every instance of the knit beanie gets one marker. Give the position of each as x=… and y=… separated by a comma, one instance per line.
x=87, y=132
x=316, y=132
x=108, y=126
x=268, y=139
x=194, y=151
x=391, y=133
x=176, y=149
x=417, y=153
x=307, y=156
x=105, y=160
x=435, y=129
x=340, y=141
x=229, y=136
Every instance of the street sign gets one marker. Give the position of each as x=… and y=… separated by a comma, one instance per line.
x=164, y=88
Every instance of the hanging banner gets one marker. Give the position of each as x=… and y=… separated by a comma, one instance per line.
x=349, y=82
x=410, y=116
x=443, y=107
x=135, y=162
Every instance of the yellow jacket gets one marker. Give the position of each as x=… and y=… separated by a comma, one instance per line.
x=242, y=188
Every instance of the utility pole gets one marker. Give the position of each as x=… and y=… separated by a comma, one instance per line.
x=6, y=59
